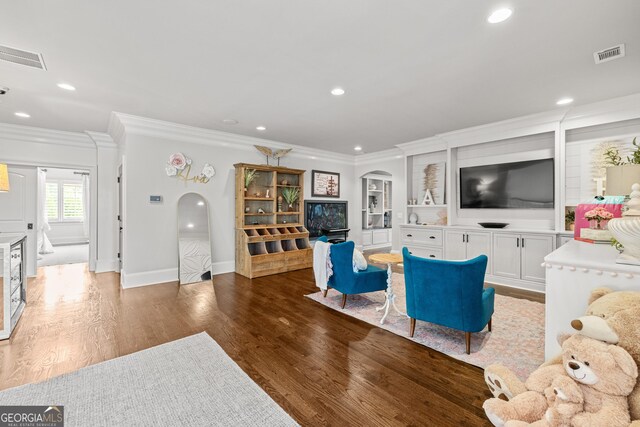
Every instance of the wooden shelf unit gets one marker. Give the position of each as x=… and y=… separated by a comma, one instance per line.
x=271, y=242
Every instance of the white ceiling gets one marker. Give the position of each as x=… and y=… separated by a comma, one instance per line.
x=411, y=68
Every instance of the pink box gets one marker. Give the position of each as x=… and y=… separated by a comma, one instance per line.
x=582, y=208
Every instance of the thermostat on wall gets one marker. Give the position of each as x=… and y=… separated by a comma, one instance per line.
x=155, y=199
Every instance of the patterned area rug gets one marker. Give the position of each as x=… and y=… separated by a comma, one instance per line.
x=517, y=339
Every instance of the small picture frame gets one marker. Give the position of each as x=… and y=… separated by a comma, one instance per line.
x=325, y=184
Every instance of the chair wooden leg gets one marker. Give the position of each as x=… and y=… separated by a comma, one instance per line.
x=489, y=325
x=412, y=328
x=467, y=339
x=344, y=300
x=324, y=293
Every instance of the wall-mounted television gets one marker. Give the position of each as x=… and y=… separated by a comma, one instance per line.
x=319, y=214
x=519, y=185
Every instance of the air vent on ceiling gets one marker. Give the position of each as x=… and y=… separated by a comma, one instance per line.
x=609, y=54
x=22, y=57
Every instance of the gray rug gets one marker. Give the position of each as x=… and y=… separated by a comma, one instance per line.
x=190, y=381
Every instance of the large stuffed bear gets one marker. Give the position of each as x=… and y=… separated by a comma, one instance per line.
x=612, y=317
x=589, y=388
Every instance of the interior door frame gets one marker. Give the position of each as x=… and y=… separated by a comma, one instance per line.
x=93, y=203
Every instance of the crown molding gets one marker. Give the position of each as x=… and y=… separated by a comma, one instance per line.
x=102, y=140
x=135, y=125
x=609, y=111
x=424, y=145
x=378, y=156
x=45, y=136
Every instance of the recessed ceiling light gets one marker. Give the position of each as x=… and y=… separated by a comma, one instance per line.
x=23, y=115
x=230, y=121
x=399, y=156
x=66, y=86
x=190, y=225
x=337, y=91
x=564, y=101
x=312, y=157
x=261, y=128
x=499, y=15
x=200, y=203
x=357, y=148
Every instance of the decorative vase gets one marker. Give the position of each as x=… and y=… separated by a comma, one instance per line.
x=626, y=230
x=279, y=203
x=598, y=224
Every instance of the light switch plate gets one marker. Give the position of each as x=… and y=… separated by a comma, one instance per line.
x=155, y=199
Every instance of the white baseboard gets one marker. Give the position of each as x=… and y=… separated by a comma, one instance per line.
x=515, y=283
x=154, y=277
x=105, y=265
x=69, y=241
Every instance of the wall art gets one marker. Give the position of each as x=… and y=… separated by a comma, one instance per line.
x=179, y=166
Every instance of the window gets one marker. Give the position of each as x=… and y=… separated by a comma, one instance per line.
x=64, y=201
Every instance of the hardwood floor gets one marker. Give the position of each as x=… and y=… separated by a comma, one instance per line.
x=321, y=366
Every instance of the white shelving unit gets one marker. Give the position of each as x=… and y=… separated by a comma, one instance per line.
x=377, y=213
x=427, y=214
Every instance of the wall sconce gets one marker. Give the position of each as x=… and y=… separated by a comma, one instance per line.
x=4, y=178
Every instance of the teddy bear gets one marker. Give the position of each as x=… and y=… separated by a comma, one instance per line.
x=564, y=400
x=605, y=373
x=612, y=317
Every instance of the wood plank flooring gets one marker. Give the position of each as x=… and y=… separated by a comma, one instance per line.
x=321, y=366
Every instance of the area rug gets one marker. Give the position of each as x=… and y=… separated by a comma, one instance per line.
x=190, y=381
x=517, y=339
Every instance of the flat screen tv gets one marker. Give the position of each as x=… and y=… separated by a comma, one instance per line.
x=520, y=185
x=324, y=214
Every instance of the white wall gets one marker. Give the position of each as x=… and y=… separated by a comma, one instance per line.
x=151, y=249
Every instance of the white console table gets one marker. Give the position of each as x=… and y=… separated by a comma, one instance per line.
x=573, y=271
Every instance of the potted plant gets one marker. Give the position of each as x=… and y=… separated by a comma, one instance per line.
x=570, y=220
x=249, y=176
x=622, y=174
x=290, y=195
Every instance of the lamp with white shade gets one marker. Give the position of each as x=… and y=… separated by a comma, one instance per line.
x=626, y=230
x=4, y=178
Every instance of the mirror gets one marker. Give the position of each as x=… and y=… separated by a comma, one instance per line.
x=194, y=247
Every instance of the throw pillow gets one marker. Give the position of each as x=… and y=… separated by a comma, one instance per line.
x=359, y=261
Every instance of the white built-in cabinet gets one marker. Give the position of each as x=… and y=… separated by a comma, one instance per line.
x=465, y=244
x=377, y=213
x=519, y=256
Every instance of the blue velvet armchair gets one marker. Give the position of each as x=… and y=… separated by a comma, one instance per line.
x=345, y=280
x=448, y=293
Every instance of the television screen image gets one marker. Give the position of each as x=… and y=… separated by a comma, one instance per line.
x=322, y=214
x=520, y=185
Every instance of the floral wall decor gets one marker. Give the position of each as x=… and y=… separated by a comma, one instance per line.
x=179, y=166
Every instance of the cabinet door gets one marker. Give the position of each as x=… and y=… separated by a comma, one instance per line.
x=533, y=249
x=366, y=238
x=479, y=243
x=455, y=247
x=380, y=236
x=506, y=255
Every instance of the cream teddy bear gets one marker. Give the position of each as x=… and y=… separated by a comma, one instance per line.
x=605, y=374
x=612, y=317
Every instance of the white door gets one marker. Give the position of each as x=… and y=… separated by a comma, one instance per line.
x=506, y=255
x=533, y=249
x=18, y=210
x=479, y=243
x=454, y=245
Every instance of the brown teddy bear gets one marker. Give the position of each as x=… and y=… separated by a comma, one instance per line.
x=606, y=374
x=613, y=317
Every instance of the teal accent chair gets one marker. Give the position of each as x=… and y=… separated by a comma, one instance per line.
x=448, y=293
x=345, y=280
